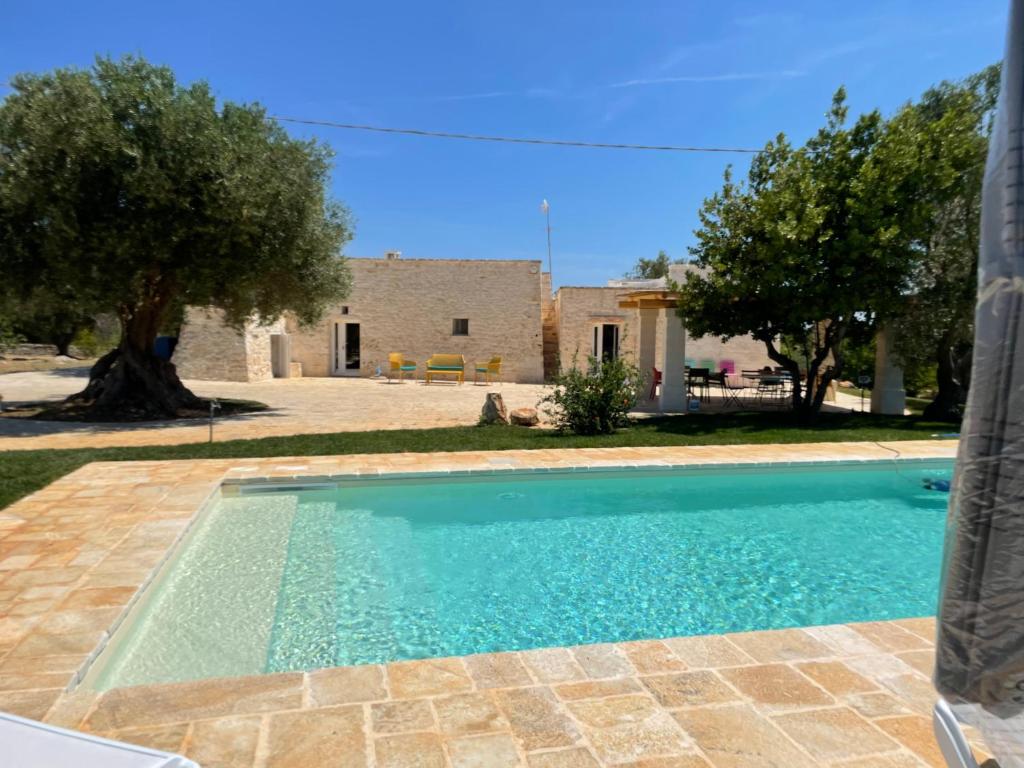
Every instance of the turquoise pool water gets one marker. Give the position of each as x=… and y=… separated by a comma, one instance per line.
x=381, y=570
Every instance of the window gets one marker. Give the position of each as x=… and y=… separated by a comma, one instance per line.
x=460, y=326
x=606, y=341
x=344, y=310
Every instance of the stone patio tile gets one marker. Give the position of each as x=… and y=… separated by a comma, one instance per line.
x=537, y=718
x=623, y=728
x=496, y=750
x=552, y=665
x=707, y=651
x=923, y=627
x=602, y=660
x=596, y=689
x=177, y=702
x=71, y=708
x=890, y=637
x=736, y=736
x=914, y=691
x=346, y=685
x=223, y=743
x=98, y=597
x=836, y=678
x=915, y=733
x=880, y=666
x=469, y=713
x=39, y=644
x=402, y=716
x=830, y=734
x=578, y=757
x=890, y=760
x=409, y=750
x=31, y=704
x=923, y=661
x=428, y=677
x=649, y=657
x=776, y=686
x=497, y=670
x=678, y=761
x=78, y=620
x=167, y=738
x=328, y=736
x=685, y=689
x=17, y=682
x=842, y=640
x=872, y=705
x=780, y=645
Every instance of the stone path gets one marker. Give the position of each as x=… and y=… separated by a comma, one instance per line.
x=298, y=406
x=74, y=555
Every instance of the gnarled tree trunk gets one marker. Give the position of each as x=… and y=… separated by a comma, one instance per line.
x=131, y=382
x=945, y=406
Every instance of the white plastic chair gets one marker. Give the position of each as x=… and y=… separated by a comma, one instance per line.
x=31, y=744
x=950, y=737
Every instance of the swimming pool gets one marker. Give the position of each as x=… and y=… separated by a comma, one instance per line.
x=367, y=571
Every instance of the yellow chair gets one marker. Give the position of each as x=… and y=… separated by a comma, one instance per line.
x=490, y=370
x=446, y=365
x=399, y=365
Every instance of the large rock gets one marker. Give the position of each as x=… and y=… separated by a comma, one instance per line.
x=494, y=410
x=525, y=417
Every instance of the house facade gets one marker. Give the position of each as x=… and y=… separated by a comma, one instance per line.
x=477, y=308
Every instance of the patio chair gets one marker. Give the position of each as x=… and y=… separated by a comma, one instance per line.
x=655, y=383
x=698, y=381
x=397, y=364
x=446, y=365
x=30, y=744
x=731, y=386
x=490, y=370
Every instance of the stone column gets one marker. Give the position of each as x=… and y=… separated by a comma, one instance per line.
x=648, y=345
x=673, y=377
x=888, y=396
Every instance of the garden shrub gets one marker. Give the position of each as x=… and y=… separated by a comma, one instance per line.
x=594, y=401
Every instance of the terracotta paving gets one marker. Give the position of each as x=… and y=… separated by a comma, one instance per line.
x=75, y=554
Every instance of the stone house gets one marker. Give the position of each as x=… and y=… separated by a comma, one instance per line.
x=476, y=308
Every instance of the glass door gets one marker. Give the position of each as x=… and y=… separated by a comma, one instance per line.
x=346, y=350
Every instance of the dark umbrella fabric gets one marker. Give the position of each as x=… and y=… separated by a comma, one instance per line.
x=980, y=643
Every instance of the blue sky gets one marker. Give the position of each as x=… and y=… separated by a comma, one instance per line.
x=693, y=73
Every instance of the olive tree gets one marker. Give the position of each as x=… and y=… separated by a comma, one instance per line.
x=124, y=191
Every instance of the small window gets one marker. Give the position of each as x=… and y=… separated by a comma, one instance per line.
x=344, y=310
x=460, y=326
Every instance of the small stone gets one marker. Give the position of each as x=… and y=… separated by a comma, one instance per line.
x=524, y=417
x=494, y=410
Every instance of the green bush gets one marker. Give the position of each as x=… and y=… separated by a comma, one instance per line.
x=8, y=337
x=595, y=401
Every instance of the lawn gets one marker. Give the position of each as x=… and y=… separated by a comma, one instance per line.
x=22, y=472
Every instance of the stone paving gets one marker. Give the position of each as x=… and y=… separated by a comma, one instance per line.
x=74, y=555
x=297, y=406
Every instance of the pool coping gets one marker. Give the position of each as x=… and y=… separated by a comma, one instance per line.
x=75, y=556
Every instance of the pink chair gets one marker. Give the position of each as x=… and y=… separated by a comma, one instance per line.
x=655, y=381
x=728, y=366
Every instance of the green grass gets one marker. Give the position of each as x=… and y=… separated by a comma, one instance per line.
x=22, y=472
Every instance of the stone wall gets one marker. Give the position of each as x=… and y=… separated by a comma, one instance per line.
x=408, y=305
x=210, y=350
x=579, y=309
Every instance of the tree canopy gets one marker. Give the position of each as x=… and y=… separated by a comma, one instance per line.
x=811, y=244
x=945, y=134
x=650, y=269
x=124, y=191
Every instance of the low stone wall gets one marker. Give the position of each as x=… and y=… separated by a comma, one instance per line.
x=210, y=350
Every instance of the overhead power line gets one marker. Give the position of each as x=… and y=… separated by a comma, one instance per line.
x=511, y=139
